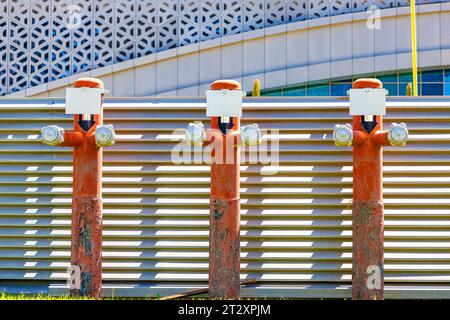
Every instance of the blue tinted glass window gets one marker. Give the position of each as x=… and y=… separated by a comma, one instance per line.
x=432, y=76
x=432, y=89
x=447, y=89
x=340, y=89
x=402, y=89
x=298, y=91
x=319, y=90
x=431, y=82
x=392, y=88
x=447, y=75
x=388, y=78
x=405, y=77
x=278, y=92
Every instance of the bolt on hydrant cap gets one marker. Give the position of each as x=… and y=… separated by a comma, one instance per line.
x=226, y=84
x=364, y=83
x=88, y=83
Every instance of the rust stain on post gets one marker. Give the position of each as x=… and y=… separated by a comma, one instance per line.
x=367, y=249
x=218, y=208
x=87, y=245
x=224, y=261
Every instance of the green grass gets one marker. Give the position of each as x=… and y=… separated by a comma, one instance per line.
x=5, y=296
x=21, y=296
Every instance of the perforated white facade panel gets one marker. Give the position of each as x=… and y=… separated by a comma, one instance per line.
x=42, y=41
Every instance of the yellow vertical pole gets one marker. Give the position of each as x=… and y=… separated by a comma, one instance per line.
x=414, y=47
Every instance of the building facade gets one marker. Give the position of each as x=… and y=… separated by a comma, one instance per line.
x=176, y=48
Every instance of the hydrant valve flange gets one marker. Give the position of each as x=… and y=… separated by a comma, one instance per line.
x=105, y=135
x=251, y=135
x=398, y=134
x=343, y=135
x=52, y=135
x=195, y=134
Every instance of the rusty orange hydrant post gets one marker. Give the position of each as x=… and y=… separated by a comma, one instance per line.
x=224, y=106
x=367, y=138
x=224, y=217
x=87, y=138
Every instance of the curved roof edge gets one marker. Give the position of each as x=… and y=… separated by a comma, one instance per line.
x=267, y=33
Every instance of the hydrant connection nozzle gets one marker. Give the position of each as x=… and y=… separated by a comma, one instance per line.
x=251, y=135
x=343, y=135
x=195, y=134
x=398, y=134
x=105, y=135
x=52, y=135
